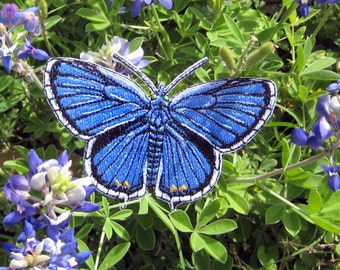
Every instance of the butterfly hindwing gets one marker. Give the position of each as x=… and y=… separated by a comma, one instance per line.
x=227, y=113
x=117, y=161
x=89, y=99
x=190, y=166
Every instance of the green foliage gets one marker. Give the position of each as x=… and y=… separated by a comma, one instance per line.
x=269, y=210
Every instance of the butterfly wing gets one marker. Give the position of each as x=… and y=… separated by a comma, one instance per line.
x=108, y=110
x=208, y=120
x=117, y=160
x=227, y=113
x=190, y=166
x=89, y=99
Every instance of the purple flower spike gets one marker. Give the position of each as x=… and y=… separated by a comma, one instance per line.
x=299, y=137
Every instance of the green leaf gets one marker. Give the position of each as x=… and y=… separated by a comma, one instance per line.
x=92, y=16
x=145, y=221
x=196, y=242
x=326, y=224
x=52, y=21
x=84, y=231
x=12, y=164
x=238, y=202
x=157, y=210
x=122, y=214
x=267, y=255
x=323, y=75
x=314, y=202
x=181, y=221
x=219, y=227
x=274, y=214
x=215, y=249
x=318, y=65
x=114, y=256
x=145, y=238
x=292, y=222
x=201, y=260
x=120, y=230
x=208, y=213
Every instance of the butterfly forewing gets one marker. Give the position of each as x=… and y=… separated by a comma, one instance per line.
x=227, y=113
x=89, y=99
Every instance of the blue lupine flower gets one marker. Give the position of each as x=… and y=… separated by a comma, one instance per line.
x=28, y=18
x=138, y=4
x=328, y=1
x=333, y=176
x=334, y=86
x=57, y=250
x=304, y=7
x=322, y=129
x=7, y=14
x=54, y=180
x=6, y=54
x=29, y=50
x=299, y=137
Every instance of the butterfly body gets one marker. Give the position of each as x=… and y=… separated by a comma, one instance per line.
x=134, y=142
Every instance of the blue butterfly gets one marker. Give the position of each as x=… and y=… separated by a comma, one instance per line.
x=136, y=142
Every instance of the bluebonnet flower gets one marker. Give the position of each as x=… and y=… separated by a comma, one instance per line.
x=6, y=54
x=28, y=18
x=304, y=7
x=116, y=45
x=54, y=180
x=326, y=126
x=7, y=14
x=138, y=4
x=57, y=251
x=333, y=176
x=29, y=50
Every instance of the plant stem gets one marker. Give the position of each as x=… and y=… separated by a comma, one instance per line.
x=168, y=49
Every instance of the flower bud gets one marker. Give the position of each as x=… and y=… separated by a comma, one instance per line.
x=227, y=57
x=259, y=54
x=299, y=137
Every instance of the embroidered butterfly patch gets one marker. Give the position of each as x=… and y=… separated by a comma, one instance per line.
x=136, y=142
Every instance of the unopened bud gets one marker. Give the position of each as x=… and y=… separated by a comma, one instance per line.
x=259, y=54
x=227, y=57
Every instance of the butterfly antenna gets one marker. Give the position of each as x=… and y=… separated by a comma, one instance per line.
x=185, y=74
x=135, y=71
